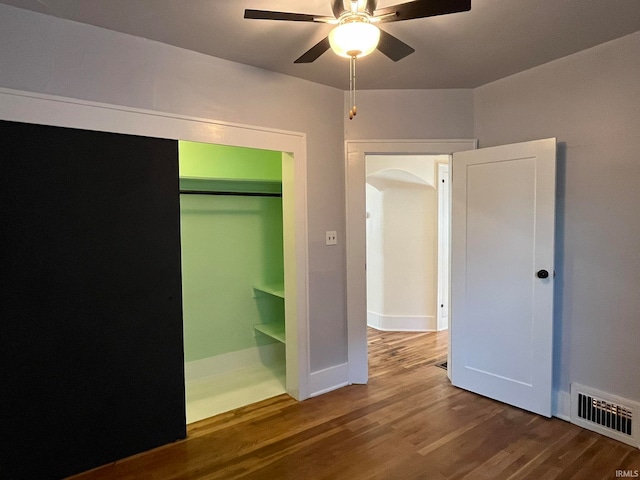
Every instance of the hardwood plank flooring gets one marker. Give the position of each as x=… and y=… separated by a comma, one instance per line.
x=407, y=423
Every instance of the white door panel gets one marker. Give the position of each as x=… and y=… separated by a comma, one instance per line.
x=502, y=234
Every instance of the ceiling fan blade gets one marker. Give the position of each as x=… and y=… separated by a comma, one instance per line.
x=337, y=6
x=371, y=6
x=314, y=52
x=421, y=9
x=393, y=47
x=269, y=15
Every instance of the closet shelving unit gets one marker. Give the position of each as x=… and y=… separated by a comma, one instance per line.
x=274, y=329
x=243, y=187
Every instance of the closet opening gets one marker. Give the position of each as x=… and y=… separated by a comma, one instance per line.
x=233, y=276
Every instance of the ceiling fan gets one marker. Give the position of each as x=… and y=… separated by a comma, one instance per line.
x=356, y=34
x=361, y=15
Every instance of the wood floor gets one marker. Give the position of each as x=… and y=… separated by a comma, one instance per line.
x=407, y=423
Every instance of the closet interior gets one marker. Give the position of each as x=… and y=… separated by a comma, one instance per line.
x=232, y=276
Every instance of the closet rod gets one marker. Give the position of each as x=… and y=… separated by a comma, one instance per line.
x=241, y=194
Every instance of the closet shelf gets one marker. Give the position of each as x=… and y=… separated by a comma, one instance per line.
x=275, y=290
x=230, y=186
x=274, y=330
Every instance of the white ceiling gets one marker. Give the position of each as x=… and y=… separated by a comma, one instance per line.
x=495, y=39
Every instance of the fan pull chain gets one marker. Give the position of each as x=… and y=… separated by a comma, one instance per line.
x=354, y=108
x=352, y=87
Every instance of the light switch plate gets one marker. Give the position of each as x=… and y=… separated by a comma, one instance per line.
x=332, y=238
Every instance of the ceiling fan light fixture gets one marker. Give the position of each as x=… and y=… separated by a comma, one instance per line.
x=354, y=38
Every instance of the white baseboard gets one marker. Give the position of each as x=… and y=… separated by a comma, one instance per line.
x=561, y=405
x=229, y=362
x=402, y=323
x=442, y=324
x=329, y=379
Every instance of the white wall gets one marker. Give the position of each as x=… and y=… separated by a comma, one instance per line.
x=410, y=114
x=590, y=101
x=408, y=251
x=375, y=250
x=402, y=241
x=47, y=55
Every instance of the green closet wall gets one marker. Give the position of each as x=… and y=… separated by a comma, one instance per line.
x=221, y=161
x=229, y=243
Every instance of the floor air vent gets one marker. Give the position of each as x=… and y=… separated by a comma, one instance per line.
x=604, y=413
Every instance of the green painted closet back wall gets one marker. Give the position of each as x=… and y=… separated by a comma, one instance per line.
x=221, y=161
x=229, y=244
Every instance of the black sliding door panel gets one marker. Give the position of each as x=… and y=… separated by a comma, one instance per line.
x=91, y=350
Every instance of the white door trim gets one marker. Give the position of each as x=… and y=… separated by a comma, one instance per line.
x=355, y=152
x=444, y=209
x=28, y=107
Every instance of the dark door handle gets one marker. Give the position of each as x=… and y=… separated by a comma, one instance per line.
x=542, y=274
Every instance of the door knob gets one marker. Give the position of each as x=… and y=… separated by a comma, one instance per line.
x=542, y=274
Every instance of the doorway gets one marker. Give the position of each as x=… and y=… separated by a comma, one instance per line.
x=406, y=216
x=356, y=232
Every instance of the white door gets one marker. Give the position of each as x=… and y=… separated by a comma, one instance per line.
x=502, y=253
